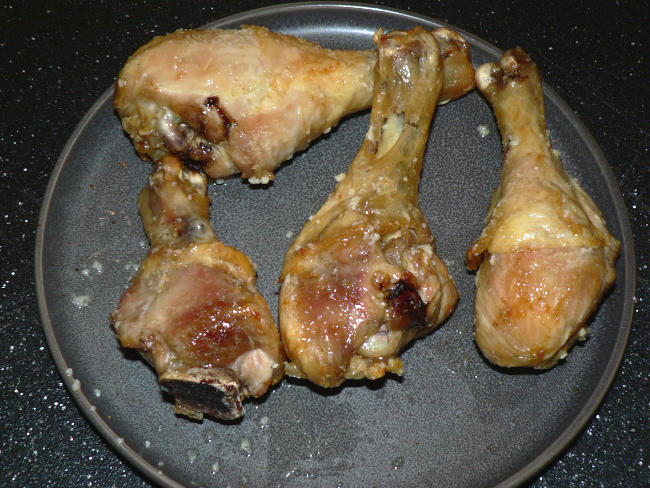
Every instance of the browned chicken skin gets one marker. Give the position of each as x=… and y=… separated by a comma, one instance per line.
x=545, y=257
x=193, y=309
x=245, y=100
x=363, y=279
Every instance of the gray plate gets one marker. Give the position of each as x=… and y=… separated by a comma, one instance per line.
x=451, y=421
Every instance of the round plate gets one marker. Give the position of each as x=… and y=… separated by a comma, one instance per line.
x=452, y=420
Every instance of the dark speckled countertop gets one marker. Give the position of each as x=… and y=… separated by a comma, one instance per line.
x=57, y=60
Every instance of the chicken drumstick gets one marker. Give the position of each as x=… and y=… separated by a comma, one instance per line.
x=245, y=100
x=363, y=279
x=193, y=309
x=545, y=257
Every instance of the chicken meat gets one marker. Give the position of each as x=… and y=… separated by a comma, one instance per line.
x=245, y=100
x=193, y=309
x=363, y=279
x=545, y=257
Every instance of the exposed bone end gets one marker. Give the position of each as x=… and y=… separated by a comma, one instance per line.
x=457, y=64
x=485, y=76
x=215, y=392
x=450, y=36
x=509, y=63
x=515, y=59
x=514, y=66
x=257, y=370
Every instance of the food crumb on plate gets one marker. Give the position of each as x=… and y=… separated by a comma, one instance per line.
x=483, y=130
x=245, y=447
x=81, y=301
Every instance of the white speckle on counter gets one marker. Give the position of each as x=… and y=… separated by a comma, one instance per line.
x=147, y=444
x=483, y=130
x=215, y=467
x=97, y=392
x=264, y=422
x=289, y=234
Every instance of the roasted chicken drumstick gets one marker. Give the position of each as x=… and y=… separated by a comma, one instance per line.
x=245, y=100
x=193, y=309
x=363, y=279
x=545, y=257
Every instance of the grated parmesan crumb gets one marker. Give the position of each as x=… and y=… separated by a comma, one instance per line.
x=81, y=301
x=483, y=130
x=256, y=180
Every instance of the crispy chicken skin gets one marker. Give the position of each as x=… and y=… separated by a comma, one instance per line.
x=545, y=257
x=193, y=309
x=363, y=279
x=245, y=100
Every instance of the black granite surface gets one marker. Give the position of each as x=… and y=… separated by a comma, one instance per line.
x=57, y=59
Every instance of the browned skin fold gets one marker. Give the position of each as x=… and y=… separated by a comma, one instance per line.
x=363, y=279
x=245, y=100
x=545, y=257
x=193, y=309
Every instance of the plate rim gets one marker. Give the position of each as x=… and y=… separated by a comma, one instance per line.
x=627, y=255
